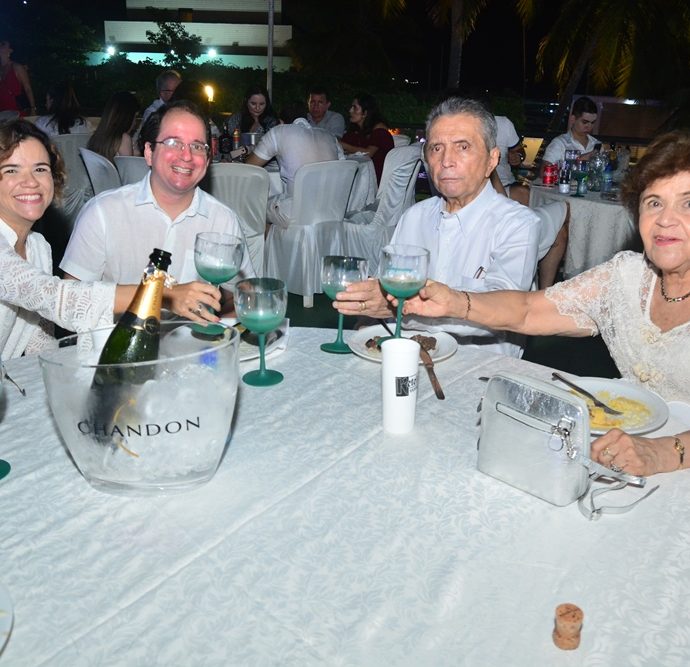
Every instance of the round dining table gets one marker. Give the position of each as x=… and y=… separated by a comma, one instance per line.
x=599, y=228
x=323, y=540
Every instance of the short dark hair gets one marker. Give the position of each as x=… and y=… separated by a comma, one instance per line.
x=149, y=132
x=318, y=89
x=584, y=105
x=13, y=132
x=666, y=156
x=292, y=111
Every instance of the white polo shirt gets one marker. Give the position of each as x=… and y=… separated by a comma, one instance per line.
x=117, y=230
x=555, y=151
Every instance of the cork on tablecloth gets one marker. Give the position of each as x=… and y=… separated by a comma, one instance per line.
x=568, y=623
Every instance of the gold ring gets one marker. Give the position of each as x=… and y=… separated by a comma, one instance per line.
x=607, y=452
x=362, y=306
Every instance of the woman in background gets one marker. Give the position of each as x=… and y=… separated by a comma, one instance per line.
x=113, y=136
x=256, y=115
x=368, y=132
x=65, y=115
x=14, y=80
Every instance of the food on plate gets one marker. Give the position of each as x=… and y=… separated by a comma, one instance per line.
x=635, y=413
x=427, y=343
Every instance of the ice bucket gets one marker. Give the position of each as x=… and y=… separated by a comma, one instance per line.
x=164, y=434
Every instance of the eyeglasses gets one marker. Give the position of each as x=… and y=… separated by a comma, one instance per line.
x=195, y=147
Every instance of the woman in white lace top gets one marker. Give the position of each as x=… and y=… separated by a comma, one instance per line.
x=31, y=299
x=639, y=303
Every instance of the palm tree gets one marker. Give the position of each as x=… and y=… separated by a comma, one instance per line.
x=634, y=48
x=463, y=16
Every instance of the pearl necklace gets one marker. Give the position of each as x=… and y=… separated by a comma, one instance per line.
x=671, y=299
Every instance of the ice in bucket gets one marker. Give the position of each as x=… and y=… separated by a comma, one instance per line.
x=165, y=435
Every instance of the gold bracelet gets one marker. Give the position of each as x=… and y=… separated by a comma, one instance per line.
x=680, y=448
x=469, y=305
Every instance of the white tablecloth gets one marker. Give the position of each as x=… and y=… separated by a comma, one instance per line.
x=598, y=228
x=322, y=541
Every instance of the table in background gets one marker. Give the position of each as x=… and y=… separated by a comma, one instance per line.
x=598, y=228
x=322, y=541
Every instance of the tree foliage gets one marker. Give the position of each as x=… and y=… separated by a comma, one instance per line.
x=180, y=47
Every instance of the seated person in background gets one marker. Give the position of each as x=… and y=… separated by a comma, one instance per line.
x=31, y=299
x=581, y=120
x=116, y=231
x=256, y=114
x=367, y=132
x=477, y=239
x=294, y=143
x=65, y=116
x=113, y=136
x=166, y=83
x=639, y=303
x=320, y=114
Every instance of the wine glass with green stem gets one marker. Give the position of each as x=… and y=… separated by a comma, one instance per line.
x=217, y=258
x=260, y=304
x=403, y=273
x=337, y=272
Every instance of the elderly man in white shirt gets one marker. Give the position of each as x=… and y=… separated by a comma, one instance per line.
x=478, y=240
x=116, y=231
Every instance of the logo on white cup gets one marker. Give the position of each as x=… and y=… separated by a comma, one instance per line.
x=404, y=386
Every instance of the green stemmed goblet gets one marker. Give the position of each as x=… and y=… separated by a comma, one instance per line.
x=260, y=304
x=217, y=258
x=337, y=272
x=403, y=273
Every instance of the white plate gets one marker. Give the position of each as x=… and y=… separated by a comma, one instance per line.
x=247, y=350
x=6, y=616
x=446, y=345
x=658, y=410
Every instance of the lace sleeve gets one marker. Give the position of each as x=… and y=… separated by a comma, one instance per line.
x=583, y=298
x=42, y=338
x=74, y=305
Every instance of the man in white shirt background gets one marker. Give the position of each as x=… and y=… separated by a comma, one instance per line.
x=116, y=231
x=478, y=240
x=582, y=118
x=320, y=114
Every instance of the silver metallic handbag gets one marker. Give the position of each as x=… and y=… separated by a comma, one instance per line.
x=535, y=437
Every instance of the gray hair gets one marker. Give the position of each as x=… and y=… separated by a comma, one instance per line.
x=166, y=76
x=453, y=106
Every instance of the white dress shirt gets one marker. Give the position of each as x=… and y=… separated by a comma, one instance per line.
x=116, y=232
x=490, y=244
x=506, y=138
x=555, y=151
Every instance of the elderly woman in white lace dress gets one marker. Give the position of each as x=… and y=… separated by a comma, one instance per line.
x=31, y=173
x=639, y=303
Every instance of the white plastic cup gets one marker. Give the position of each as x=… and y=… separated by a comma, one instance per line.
x=399, y=369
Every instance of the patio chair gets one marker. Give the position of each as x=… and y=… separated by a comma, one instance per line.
x=101, y=171
x=367, y=231
x=131, y=168
x=401, y=140
x=294, y=253
x=244, y=188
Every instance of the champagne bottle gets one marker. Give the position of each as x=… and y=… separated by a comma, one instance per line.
x=135, y=338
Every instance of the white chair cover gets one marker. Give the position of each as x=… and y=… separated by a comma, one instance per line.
x=244, y=188
x=101, y=171
x=552, y=217
x=367, y=231
x=401, y=140
x=294, y=254
x=131, y=168
x=78, y=189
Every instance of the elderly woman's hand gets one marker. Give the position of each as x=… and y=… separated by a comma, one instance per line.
x=436, y=300
x=634, y=454
x=363, y=298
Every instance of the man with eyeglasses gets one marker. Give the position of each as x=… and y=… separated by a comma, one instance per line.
x=116, y=231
